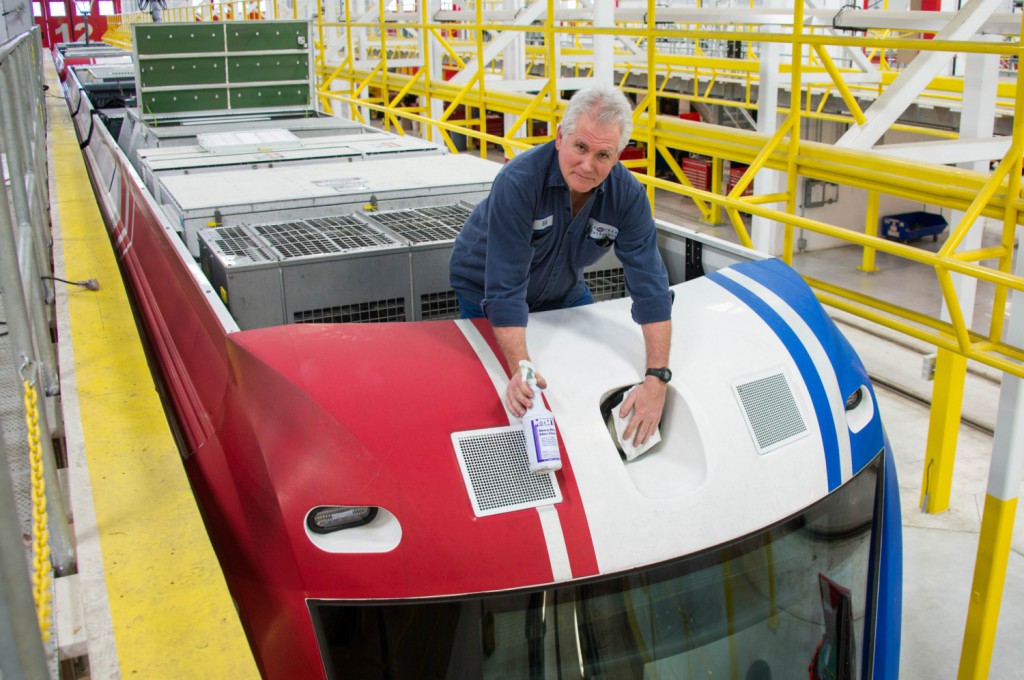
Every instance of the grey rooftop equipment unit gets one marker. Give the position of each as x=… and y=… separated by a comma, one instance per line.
x=246, y=274
x=137, y=134
x=296, y=192
x=430, y=233
x=331, y=269
x=272, y=148
x=606, y=279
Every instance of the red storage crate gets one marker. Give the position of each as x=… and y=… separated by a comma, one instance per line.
x=698, y=171
x=634, y=153
x=735, y=173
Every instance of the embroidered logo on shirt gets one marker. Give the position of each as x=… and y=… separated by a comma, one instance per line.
x=543, y=223
x=599, y=231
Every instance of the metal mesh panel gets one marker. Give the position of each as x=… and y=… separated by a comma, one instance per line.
x=771, y=411
x=15, y=432
x=296, y=239
x=606, y=284
x=435, y=306
x=351, y=233
x=377, y=311
x=322, y=236
x=497, y=472
x=237, y=242
x=424, y=225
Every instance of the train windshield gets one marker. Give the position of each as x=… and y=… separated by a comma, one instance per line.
x=788, y=602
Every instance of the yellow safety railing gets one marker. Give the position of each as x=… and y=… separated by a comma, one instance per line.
x=359, y=87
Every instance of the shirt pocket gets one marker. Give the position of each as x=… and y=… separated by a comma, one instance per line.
x=600, y=234
x=542, y=228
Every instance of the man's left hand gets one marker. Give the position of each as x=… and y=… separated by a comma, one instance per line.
x=647, y=402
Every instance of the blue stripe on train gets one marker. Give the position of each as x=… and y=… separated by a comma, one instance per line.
x=785, y=282
x=808, y=371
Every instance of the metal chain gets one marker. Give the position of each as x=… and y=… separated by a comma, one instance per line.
x=40, y=533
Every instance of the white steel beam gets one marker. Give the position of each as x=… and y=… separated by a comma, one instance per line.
x=850, y=19
x=891, y=104
x=977, y=122
x=604, y=54
x=766, y=234
x=949, y=152
x=497, y=45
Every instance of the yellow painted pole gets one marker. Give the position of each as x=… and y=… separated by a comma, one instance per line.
x=717, y=167
x=943, y=429
x=1005, y=470
x=871, y=229
x=837, y=80
x=987, y=587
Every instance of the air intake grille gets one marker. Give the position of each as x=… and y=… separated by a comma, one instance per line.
x=424, y=225
x=296, y=239
x=322, y=236
x=497, y=474
x=237, y=243
x=351, y=233
x=771, y=411
x=606, y=284
x=435, y=306
x=377, y=311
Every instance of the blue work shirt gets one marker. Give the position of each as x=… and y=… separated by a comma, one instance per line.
x=521, y=249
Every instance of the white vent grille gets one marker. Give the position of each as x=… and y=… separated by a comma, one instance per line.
x=495, y=466
x=771, y=411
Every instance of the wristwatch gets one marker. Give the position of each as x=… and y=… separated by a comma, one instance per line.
x=662, y=374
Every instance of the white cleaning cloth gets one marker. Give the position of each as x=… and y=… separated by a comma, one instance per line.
x=621, y=423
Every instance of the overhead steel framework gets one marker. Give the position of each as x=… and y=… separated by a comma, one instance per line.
x=495, y=73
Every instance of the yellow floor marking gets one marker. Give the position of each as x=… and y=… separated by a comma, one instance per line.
x=171, y=611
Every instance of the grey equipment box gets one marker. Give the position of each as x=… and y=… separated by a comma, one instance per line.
x=606, y=279
x=331, y=269
x=272, y=148
x=316, y=190
x=137, y=134
x=430, y=233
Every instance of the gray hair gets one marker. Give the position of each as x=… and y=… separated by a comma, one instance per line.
x=604, y=105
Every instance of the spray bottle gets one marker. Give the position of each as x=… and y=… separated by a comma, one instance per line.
x=539, y=427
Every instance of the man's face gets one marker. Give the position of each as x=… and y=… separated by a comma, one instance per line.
x=587, y=155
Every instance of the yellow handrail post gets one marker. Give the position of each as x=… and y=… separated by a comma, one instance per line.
x=943, y=428
x=717, y=168
x=871, y=229
x=987, y=587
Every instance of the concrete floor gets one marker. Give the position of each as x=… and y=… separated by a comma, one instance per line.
x=939, y=550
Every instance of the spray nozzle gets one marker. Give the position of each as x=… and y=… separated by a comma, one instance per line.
x=528, y=372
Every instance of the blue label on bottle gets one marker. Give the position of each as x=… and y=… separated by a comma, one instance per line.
x=545, y=439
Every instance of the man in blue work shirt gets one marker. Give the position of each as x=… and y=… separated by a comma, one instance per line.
x=552, y=211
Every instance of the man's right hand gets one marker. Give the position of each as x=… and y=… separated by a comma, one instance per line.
x=519, y=396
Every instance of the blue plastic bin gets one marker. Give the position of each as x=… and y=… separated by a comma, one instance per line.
x=911, y=226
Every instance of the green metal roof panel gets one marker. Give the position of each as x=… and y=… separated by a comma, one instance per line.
x=182, y=71
x=264, y=67
x=216, y=67
x=192, y=101
x=263, y=96
x=251, y=36
x=193, y=38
